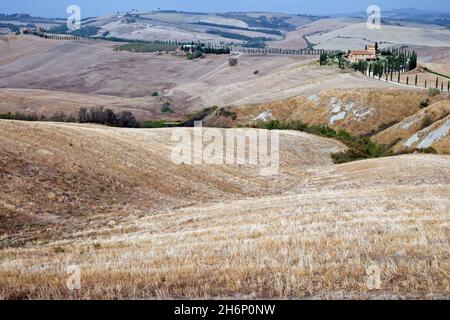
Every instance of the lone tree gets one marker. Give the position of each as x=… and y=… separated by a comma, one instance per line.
x=232, y=62
x=412, y=61
x=323, y=58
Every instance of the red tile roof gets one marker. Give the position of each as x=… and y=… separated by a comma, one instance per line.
x=362, y=52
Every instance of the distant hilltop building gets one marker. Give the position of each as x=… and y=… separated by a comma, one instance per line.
x=367, y=55
x=30, y=30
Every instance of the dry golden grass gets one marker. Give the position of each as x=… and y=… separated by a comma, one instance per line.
x=48, y=103
x=368, y=110
x=52, y=172
x=425, y=120
x=422, y=76
x=310, y=232
x=315, y=245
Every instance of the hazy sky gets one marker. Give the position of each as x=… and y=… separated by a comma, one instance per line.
x=57, y=8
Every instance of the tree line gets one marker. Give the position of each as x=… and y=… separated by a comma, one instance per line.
x=282, y=51
x=205, y=48
x=97, y=115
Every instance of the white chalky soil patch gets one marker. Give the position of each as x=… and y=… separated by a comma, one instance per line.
x=413, y=139
x=435, y=136
x=313, y=98
x=339, y=111
x=264, y=116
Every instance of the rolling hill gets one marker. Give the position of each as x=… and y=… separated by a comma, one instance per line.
x=141, y=227
x=91, y=68
x=112, y=202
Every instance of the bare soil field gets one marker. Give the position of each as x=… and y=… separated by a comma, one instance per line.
x=290, y=80
x=356, y=36
x=296, y=39
x=94, y=69
x=435, y=59
x=111, y=201
x=425, y=78
x=181, y=26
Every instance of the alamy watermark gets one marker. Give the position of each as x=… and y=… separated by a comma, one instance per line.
x=74, y=20
x=374, y=17
x=213, y=146
x=373, y=281
x=73, y=282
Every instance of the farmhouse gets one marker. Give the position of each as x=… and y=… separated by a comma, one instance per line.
x=26, y=30
x=358, y=55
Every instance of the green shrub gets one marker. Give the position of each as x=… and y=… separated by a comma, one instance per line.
x=154, y=124
x=432, y=92
x=198, y=54
x=359, y=148
x=141, y=47
x=98, y=115
x=166, y=108
x=155, y=94
x=425, y=103
x=426, y=122
x=7, y=116
x=232, y=62
x=198, y=116
x=227, y=113
x=430, y=150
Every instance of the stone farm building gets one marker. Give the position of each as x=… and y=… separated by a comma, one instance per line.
x=358, y=55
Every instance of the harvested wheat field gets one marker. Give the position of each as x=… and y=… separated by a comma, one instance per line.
x=357, y=35
x=37, y=73
x=111, y=202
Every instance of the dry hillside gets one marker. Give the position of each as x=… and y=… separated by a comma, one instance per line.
x=297, y=39
x=429, y=124
x=357, y=35
x=83, y=72
x=110, y=201
x=52, y=172
x=36, y=101
x=360, y=111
